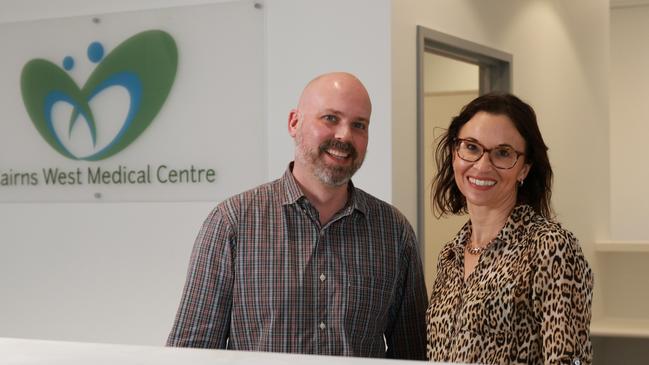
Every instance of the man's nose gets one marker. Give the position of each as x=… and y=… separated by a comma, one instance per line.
x=343, y=132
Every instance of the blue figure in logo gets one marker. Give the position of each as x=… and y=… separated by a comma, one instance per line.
x=68, y=63
x=95, y=52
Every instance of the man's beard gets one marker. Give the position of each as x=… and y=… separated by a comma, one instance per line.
x=330, y=175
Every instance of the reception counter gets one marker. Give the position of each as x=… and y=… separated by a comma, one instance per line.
x=15, y=351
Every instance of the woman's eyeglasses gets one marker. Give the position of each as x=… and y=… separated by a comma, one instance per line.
x=502, y=157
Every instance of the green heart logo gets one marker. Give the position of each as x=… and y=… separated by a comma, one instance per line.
x=145, y=65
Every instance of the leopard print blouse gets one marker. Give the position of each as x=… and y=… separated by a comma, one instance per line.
x=527, y=302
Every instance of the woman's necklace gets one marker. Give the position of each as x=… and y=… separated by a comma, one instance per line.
x=477, y=250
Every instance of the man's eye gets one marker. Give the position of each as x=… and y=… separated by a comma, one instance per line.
x=330, y=118
x=359, y=125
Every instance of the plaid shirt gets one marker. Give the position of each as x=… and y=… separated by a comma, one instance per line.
x=264, y=275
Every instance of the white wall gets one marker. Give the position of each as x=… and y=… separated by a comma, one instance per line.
x=629, y=123
x=308, y=37
x=560, y=65
x=119, y=279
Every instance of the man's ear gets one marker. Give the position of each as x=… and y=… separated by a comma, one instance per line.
x=293, y=122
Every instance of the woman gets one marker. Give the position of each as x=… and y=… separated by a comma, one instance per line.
x=513, y=286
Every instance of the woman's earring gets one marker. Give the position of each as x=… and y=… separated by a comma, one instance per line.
x=520, y=183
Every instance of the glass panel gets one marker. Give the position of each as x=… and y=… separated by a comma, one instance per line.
x=156, y=105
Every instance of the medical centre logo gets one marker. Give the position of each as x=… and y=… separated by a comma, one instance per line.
x=138, y=73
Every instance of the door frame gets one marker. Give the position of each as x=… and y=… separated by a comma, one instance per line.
x=495, y=74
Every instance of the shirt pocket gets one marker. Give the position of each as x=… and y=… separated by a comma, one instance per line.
x=368, y=302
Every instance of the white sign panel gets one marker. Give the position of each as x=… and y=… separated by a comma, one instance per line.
x=141, y=106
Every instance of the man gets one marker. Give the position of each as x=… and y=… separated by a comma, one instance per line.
x=309, y=263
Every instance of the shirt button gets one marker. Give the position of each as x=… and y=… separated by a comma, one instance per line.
x=322, y=325
x=576, y=361
x=322, y=277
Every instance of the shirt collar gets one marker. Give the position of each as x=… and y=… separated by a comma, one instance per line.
x=293, y=193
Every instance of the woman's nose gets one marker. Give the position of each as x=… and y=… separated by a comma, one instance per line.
x=483, y=162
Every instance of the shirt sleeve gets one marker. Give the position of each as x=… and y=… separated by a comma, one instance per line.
x=203, y=317
x=563, y=290
x=406, y=331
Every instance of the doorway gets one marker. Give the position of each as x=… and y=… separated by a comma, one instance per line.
x=451, y=73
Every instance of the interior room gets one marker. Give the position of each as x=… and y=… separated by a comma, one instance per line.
x=105, y=263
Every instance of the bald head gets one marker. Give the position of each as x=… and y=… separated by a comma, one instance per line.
x=343, y=84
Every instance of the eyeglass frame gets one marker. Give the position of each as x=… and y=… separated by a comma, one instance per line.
x=458, y=141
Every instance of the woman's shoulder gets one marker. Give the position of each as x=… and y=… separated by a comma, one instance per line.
x=550, y=238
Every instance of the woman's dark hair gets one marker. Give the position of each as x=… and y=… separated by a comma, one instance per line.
x=537, y=188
